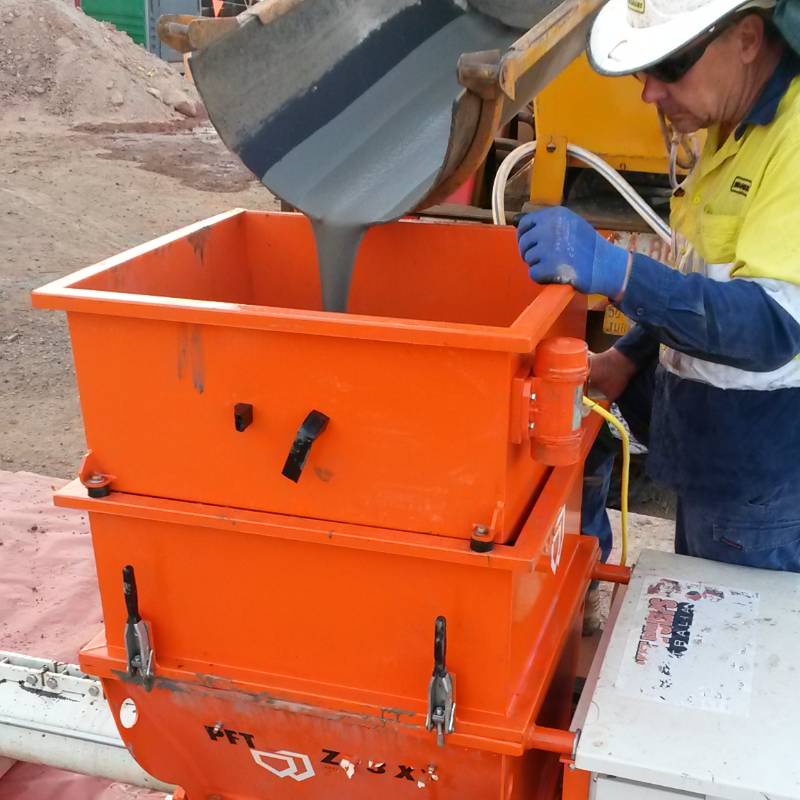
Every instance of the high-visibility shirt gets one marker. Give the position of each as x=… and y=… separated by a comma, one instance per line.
x=726, y=322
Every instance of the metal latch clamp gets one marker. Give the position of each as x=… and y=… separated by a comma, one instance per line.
x=441, y=689
x=138, y=649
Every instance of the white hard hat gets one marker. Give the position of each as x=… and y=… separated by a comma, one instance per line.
x=631, y=35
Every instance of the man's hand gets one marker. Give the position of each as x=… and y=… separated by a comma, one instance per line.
x=560, y=247
x=610, y=372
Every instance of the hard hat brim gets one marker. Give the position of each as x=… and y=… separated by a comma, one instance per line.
x=617, y=48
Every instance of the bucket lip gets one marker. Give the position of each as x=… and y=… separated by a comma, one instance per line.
x=522, y=336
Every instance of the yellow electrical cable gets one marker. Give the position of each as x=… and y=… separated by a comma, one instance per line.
x=626, y=468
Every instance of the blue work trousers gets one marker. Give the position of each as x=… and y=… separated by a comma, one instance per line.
x=760, y=532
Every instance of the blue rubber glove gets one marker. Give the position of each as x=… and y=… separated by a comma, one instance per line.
x=560, y=247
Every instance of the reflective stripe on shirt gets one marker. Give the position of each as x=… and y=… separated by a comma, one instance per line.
x=786, y=295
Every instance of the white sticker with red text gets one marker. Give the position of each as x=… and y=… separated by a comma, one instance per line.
x=695, y=647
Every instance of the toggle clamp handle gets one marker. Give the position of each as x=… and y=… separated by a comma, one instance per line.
x=312, y=428
x=138, y=649
x=441, y=689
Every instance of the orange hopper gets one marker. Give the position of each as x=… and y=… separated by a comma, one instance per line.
x=352, y=537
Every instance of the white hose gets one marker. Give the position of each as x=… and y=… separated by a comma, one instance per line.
x=631, y=196
x=501, y=179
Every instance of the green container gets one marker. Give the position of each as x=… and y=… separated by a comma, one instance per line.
x=126, y=15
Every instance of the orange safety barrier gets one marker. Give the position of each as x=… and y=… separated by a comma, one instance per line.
x=299, y=517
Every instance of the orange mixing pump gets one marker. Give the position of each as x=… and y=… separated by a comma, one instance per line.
x=349, y=544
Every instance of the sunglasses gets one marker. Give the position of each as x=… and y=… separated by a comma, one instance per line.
x=672, y=69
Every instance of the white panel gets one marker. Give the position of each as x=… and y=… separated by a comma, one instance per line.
x=686, y=630
x=605, y=788
x=737, y=738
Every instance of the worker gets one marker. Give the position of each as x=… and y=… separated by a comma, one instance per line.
x=708, y=377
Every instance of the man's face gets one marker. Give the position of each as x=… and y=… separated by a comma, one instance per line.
x=709, y=91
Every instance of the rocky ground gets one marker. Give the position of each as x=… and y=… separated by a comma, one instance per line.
x=69, y=198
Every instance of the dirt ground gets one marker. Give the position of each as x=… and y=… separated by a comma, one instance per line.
x=68, y=198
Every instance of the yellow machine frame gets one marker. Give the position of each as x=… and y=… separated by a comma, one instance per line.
x=604, y=115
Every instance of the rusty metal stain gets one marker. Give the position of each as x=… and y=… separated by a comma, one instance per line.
x=323, y=474
x=190, y=350
x=171, y=686
x=198, y=364
x=183, y=347
x=39, y=692
x=394, y=714
x=243, y=702
x=118, y=282
x=197, y=241
x=148, y=684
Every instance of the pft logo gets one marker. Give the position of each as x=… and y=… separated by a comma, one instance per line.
x=285, y=764
x=297, y=766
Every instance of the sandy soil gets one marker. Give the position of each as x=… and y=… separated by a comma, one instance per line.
x=57, y=62
x=69, y=198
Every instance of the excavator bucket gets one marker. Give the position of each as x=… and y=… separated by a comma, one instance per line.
x=514, y=13
x=399, y=94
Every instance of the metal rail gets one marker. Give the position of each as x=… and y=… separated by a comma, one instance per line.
x=52, y=713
